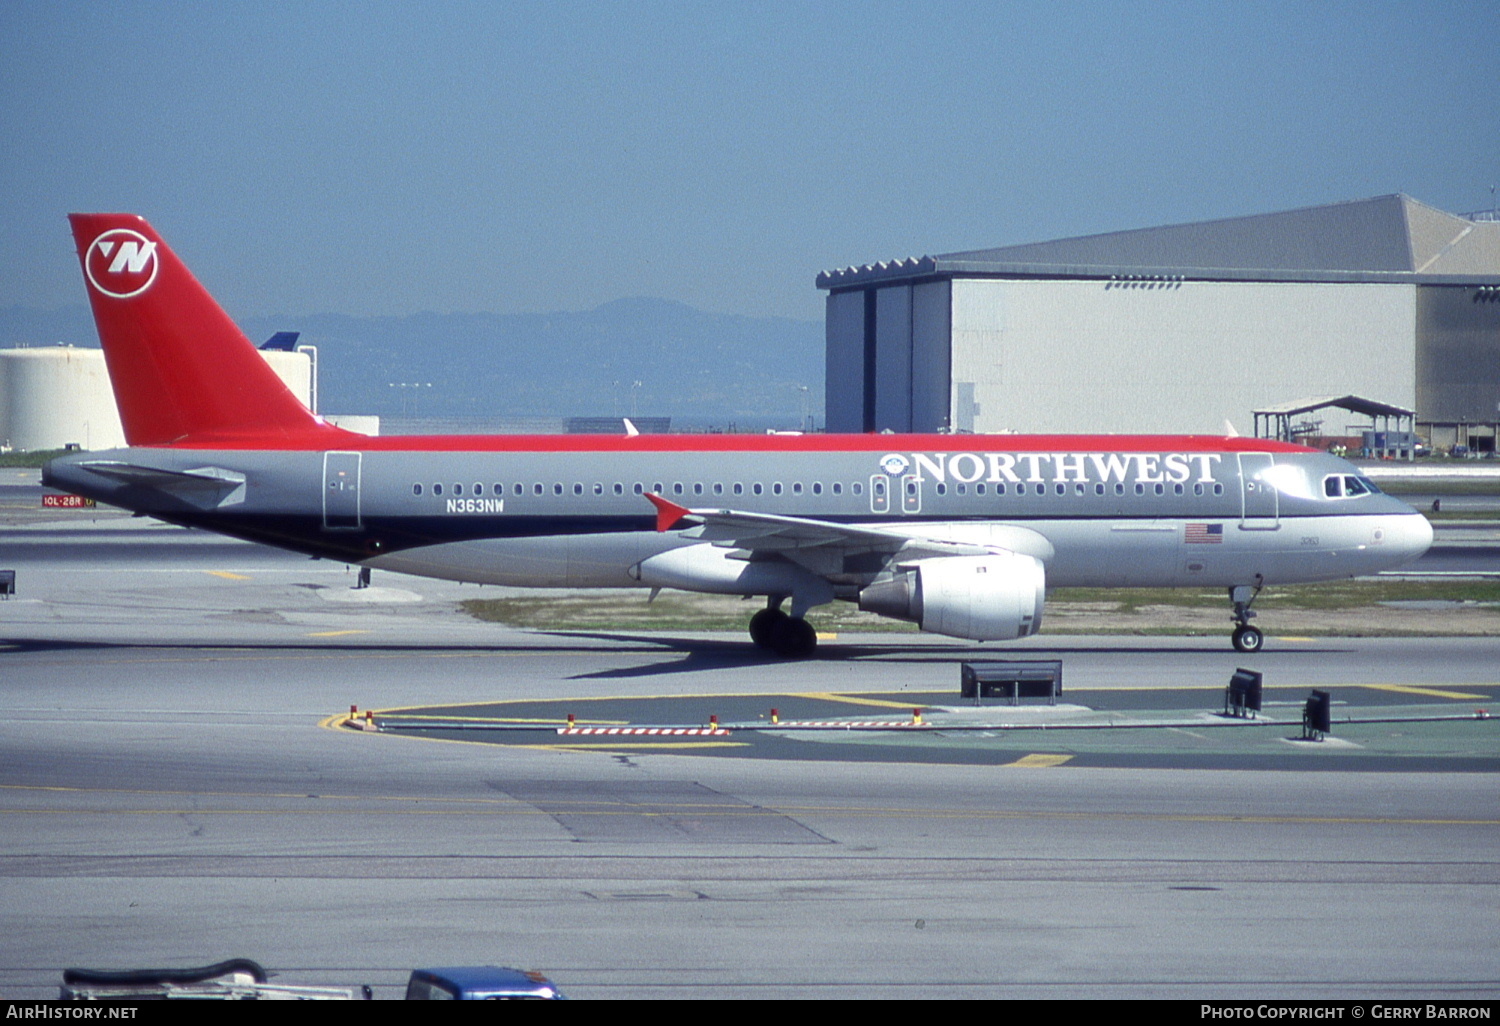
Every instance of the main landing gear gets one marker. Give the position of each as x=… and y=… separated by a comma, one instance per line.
x=1245, y=637
x=786, y=635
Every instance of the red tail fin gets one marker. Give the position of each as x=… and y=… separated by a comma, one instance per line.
x=182, y=372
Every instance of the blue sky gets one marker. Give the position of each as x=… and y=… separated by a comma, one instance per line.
x=389, y=158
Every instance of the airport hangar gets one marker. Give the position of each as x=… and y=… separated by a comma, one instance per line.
x=1180, y=328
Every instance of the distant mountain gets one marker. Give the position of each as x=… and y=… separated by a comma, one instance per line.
x=694, y=366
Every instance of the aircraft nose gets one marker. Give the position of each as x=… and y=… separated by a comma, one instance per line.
x=1409, y=537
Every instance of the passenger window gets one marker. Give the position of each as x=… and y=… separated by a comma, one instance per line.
x=1062, y=489
x=756, y=488
x=557, y=488
x=639, y=488
x=796, y=487
x=537, y=488
x=942, y=489
x=478, y=488
x=416, y=489
x=698, y=489
x=776, y=488
x=718, y=488
x=577, y=488
x=677, y=488
x=1161, y=489
x=739, y=489
x=437, y=489
x=1099, y=489
x=598, y=488
x=619, y=488
x=859, y=489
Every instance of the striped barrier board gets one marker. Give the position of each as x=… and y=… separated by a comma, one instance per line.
x=850, y=725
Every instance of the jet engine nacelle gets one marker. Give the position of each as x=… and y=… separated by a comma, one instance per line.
x=983, y=598
x=709, y=568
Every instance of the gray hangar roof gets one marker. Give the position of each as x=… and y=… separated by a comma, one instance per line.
x=1385, y=239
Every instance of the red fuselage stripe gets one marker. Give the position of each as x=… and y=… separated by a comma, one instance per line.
x=338, y=440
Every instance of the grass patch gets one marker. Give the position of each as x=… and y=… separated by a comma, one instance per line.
x=1358, y=593
x=1442, y=487
x=1474, y=514
x=672, y=611
x=683, y=611
x=29, y=459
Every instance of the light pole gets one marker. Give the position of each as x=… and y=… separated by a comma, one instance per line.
x=404, y=385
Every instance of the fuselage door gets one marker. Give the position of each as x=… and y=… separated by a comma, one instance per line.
x=880, y=493
x=340, y=490
x=1260, y=508
x=911, y=494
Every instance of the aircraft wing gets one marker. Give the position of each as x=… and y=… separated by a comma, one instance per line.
x=810, y=541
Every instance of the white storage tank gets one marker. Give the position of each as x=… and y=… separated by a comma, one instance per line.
x=56, y=396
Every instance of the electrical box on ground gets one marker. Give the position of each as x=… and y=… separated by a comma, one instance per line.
x=1317, y=716
x=1242, y=696
x=1013, y=679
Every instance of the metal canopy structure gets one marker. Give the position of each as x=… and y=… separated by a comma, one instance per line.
x=1276, y=421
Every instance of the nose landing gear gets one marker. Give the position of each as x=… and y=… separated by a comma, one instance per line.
x=1245, y=637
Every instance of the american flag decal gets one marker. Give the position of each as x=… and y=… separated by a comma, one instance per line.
x=1203, y=534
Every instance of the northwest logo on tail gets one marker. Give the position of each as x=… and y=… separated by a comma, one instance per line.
x=121, y=263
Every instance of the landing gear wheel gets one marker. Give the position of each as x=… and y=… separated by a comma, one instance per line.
x=1248, y=639
x=763, y=627
x=794, y=638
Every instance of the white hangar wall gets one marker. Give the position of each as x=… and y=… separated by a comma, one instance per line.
x=1178, y=327
x=991, y=355
x=1171, y=356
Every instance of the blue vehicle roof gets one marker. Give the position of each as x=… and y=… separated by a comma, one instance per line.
x=478, y=982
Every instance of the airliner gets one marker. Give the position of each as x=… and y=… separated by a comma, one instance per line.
x=959, y=534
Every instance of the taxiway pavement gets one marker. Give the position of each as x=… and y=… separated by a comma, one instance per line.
x=169, y=794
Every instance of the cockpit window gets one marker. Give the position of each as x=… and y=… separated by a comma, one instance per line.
x=1347, y=486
